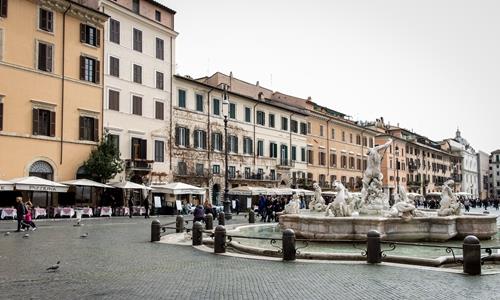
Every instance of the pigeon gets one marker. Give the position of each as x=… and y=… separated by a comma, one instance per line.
x=27, y=235
x=7, y=233
x=78, y=223
x=54, y=267
x=85, y=235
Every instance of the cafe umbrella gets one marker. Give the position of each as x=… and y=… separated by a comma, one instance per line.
x=37, y=184
x=83, y=183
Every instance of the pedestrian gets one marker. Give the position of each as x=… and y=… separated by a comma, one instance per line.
x=28, y=221
x=21, y=210
x=467, y=205
x=130, y=206
x=262, y=208
x=237, y=206
x=496, y=203
x=146, y=207
x=269, y=209
x=199, y=213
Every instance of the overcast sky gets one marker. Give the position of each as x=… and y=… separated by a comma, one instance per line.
x=429, y=65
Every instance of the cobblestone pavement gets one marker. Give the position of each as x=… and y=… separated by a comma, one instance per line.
x=117, y=261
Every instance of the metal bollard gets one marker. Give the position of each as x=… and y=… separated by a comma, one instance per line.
x=289, y=251
x=222, y=219
x=220, y=239
x=472, y=255
x=155, y=231
x=179, y=224
x=251, y=217
x=209, y=222
x=373, y=250
x=197, y=233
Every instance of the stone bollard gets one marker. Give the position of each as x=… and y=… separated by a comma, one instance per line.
x=251, y=217
x=373, y=250
x=209, y=222
x=197, y=233
x=220, y=239
x=289, y=251
x=222, y=218
x=155, y=231
x=179, y=224
x=472, y=255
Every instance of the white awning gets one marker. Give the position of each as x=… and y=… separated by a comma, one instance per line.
x=37, y=184
x=127, y=185
x=248, y=191
x=6, y=186
x=178, y=188
x=86, y=182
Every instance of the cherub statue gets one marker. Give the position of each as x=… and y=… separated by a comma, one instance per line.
x=339, y=207
x=318, y=203
x=449, y=205
x=404, y=206
x=293, y=207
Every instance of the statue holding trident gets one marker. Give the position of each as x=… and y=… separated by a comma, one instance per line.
x=372, y=192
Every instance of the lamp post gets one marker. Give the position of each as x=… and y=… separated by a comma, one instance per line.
x=225, y=112
x=397, y=170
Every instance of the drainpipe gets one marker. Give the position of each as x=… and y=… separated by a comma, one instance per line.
x=254, y=140
x=62, y=83
x=290, y=149
x=328, y=149
x=209, y=143
x=171, y=100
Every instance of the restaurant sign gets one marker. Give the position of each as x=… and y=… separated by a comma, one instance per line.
x=41, y=188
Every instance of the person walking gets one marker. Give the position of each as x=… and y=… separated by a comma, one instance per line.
x=130, y=206
x=146, y=207
x=21, y=211
x=262, y=208
x=467, y=205
x=199, y=213
x=28, y=221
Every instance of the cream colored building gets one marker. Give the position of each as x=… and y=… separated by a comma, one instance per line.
x=51, y=61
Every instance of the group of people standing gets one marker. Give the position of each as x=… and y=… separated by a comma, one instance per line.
x=145, y=203
x=270, y=206
x=24, y=217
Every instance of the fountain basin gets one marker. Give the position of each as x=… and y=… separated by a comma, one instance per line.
x=434, y=228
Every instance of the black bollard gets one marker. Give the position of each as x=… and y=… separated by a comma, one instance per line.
x=179, y=224
x=197, y=233
x=220, y=239
x=209, y=221
x=222, y=220
x=472, y=255
x=289, y=251
x=251, y=217
x=155, y=231
x=373, y=250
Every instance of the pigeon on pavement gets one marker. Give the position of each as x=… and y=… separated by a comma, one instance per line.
x=85, y=235
x=27, y=235
x=7, y=233
x=54, y=267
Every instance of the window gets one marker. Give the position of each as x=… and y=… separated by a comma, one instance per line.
x=114, y=100
x=303, y=154
x=343, y=161
x=308, y=127
x=260, y=148
x=233, y=144
x=181, y=168
x=358, y=139
x=273, y=150
x=294, y=153
x=137, y=40
x=200, y=139
x=261, y=118
x=371, y=142
x=271, y=120
x=216, y=169
x=232, y=110
x=248, y=173
x=114, y=66
x=333, y=160
x=139, y=149
x=45, y=57
x=358, y=164
x=137, y=74
x=114, y=139
x=343, y=136
x=322, y=158
x=159, y=80
x=1, y=114
x=333, y=133
x=351, y=163
x=114, y=31
x=159, y=48
x=90, y=35
x=200, y=169
x=182, y=98
x=135, y=6
x=273, y=174
x=321, y=129
x=182, y=136
x=216, y=107
x=157, y=16
x=89, y=69
x=89, y=129
x=3, y=8
x=199, y=102
x=365, y=141
x=137, y=105
x=44, y=122
x=284, y=123
x=231, y=171
x=216, y=141
x=159, y=151
x=294, y=126
x=248, y=114
x=159, y=110
x=303, y=128
x=46, y=20
x=350, y=138
x=310, y=157
x=247, y=145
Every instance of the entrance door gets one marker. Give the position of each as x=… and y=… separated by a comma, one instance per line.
x=216, y=194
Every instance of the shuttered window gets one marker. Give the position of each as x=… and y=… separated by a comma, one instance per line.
x=114, y=100
x=247, y=145
x=90, y=69
x=216, y=141
x=159, y=110
x=182, y=136
x=44, y=122
x=159, y=151
x=45, y=57
x=159, y=80
x=137, y=40
x=233, y=144
x=137, y=105
x=159, y=48
x=114, y=31
x=114, y=66
x=199, y=102
x=89, y=129
x=90, y=35
x=182, y=98
x=137, y=74
x=139, y=149
x=3, y=8
x=200, y=139
x=46, y=20
x=1, y=116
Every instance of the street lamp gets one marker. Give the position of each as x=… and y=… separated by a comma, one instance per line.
x=225, y=112
x=397, y=170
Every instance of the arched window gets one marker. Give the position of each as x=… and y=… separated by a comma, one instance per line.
x=42, y=169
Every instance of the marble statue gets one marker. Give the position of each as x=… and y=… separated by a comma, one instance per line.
x=449, y=205
x=339, y=207
x=293, y=206
x=318, y=203
x=404, y=207
x=372, y=193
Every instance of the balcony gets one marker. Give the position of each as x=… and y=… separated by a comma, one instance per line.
x=184, y=172
x=285, y=164
x=139, y=164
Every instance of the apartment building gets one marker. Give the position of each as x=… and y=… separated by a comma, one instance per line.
x=265, y=144
x=483, y=167
x=494, y=174
x=51, y=58
x=139, y=52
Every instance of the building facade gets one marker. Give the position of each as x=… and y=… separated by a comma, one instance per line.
x=483, y=171
x=494, y=175
x=139, y=54
x=51, y=61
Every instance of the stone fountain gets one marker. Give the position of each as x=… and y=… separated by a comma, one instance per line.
x=350, y=218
